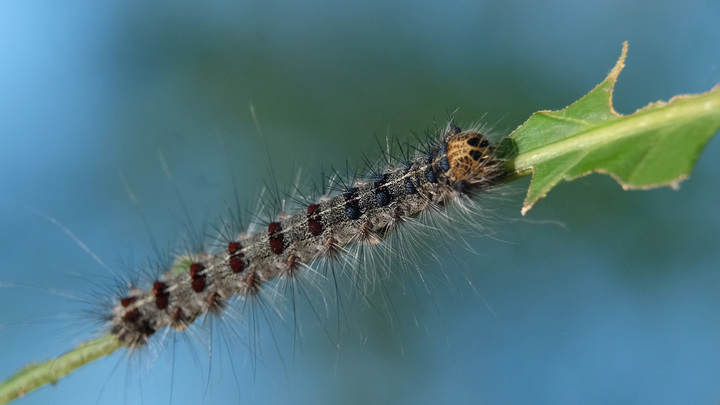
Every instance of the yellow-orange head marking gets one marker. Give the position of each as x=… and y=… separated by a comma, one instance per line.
x=470, y=156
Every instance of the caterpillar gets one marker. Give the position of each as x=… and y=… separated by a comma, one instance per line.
x=444, y=172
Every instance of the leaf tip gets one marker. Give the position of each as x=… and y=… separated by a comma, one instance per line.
x=615, y=72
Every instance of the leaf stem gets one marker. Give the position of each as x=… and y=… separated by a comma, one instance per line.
x=35, y=375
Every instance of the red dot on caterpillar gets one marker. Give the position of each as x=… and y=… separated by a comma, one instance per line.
x=275, y=238
x=127, y=301
x=236, y=257
x=314, y=220
x=198, y=278
x=161, y=295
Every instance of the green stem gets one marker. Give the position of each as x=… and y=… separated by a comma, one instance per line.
x=35, y=375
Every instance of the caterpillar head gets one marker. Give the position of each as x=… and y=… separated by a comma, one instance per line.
x=471, y=158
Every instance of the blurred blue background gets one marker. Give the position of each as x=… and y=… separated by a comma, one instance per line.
x=597, y=296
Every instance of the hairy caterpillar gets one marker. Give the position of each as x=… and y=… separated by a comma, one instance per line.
x=443, y=172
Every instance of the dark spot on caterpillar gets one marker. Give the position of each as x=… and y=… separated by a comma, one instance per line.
x=198, y=285
x=476, y=155
x=382, y=198
x=474, y=141
x=162, y=298
x=198, y=280
x=410, y=187
x=275, y=237
x=125, y=302
x=352, y=211
x=352, y=207
x=135, y=329
x=444, y=163
x=430, y=175
x=382, y=194
x=237, y=264
x=145, y=328
x=314, y=225
x=195, y=269
x=131, y=316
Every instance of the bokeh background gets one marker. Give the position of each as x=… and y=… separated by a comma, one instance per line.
x=597, y=296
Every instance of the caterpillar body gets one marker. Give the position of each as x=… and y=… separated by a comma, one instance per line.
x=447, y=170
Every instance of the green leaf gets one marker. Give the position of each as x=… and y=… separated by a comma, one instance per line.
x=655, y=146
